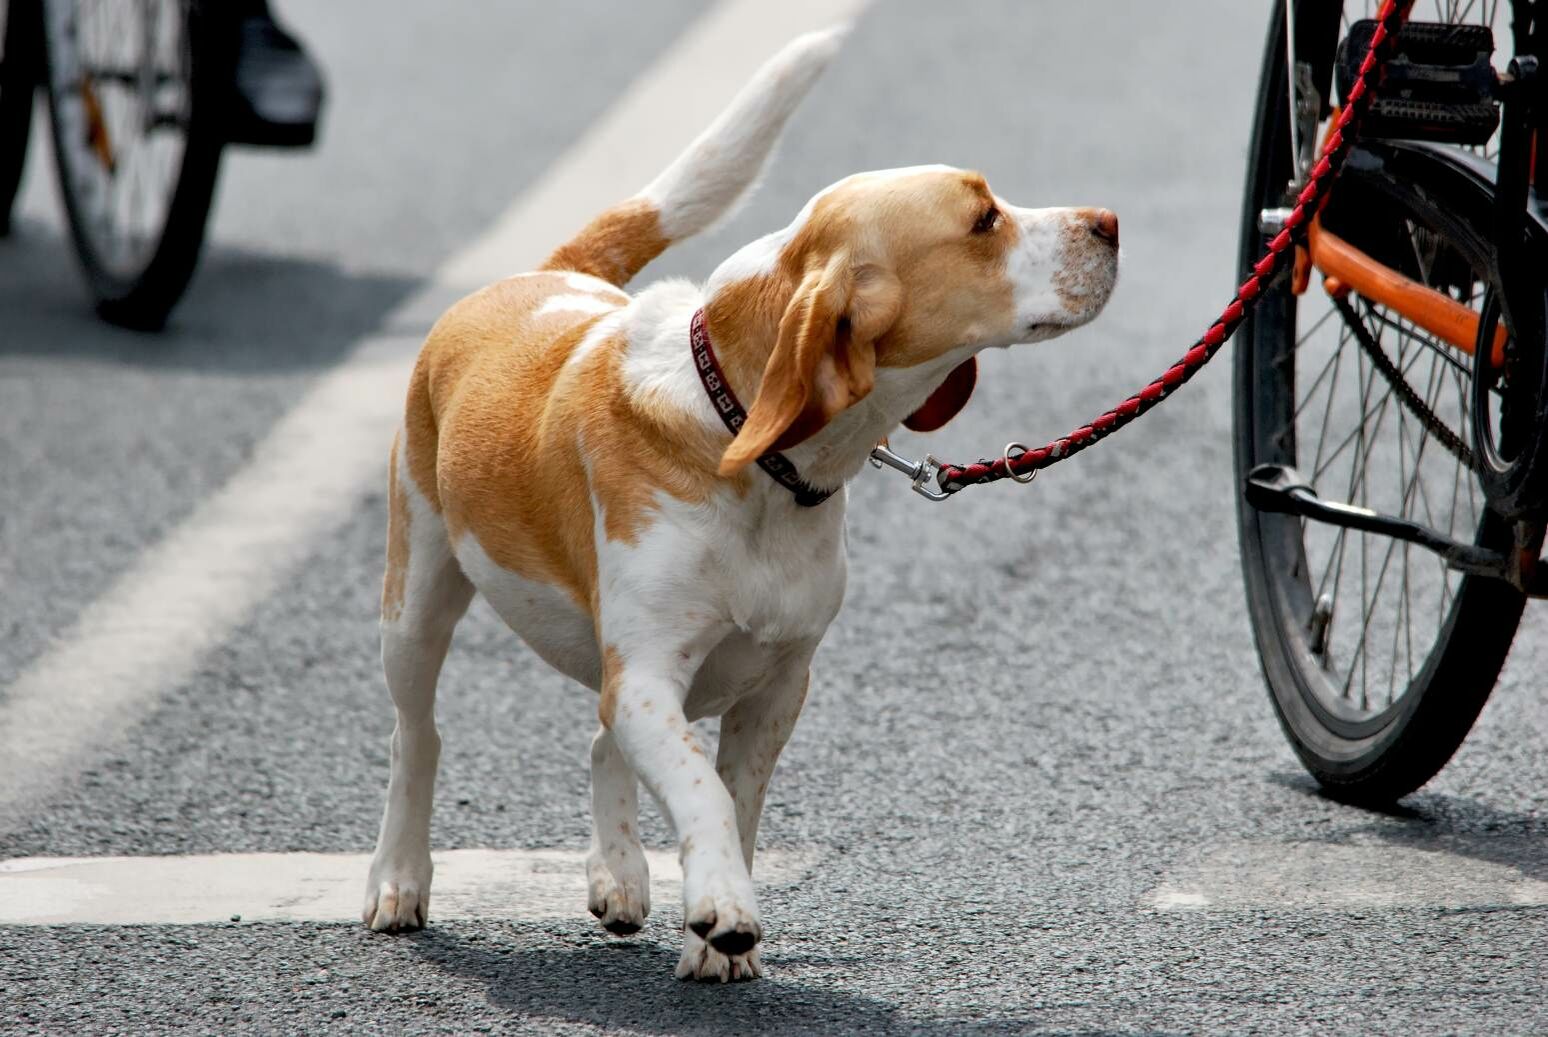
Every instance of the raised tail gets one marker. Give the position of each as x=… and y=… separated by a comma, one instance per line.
x=706, y=181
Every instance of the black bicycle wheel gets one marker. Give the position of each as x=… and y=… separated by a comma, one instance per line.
x=20, y=46
x=136, y=93
x=1377, y=657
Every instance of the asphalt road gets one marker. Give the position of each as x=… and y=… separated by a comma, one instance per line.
x=1038, y=712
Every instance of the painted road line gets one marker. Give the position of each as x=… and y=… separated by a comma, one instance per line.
x=1250, y=876
x=318, y=887
x=707, y=65
x=183, y=596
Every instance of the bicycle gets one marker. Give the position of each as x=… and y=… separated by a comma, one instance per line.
x=1402, y=364
x=143, y=96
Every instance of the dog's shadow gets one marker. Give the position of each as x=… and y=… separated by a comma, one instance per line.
x=628, y=985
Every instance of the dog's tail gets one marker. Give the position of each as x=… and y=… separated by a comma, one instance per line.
x=705, y=181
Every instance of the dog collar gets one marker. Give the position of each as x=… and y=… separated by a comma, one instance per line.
x=777, y=465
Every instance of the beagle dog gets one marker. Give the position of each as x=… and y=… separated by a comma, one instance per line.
x=649, y=489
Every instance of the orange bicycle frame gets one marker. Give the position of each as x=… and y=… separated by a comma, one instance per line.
x=1346, y=268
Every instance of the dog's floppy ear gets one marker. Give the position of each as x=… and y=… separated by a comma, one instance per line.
x=824, y=359
x=948, y=398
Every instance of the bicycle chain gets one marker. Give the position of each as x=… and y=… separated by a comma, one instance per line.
x=1405, y=392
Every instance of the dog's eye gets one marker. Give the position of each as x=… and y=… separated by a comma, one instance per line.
x=987, y=222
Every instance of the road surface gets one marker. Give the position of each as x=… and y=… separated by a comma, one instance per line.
x=1038, y=786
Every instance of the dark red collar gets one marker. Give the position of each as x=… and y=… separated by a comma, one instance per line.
x=777, y=465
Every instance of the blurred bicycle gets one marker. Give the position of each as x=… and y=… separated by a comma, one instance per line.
x=143, y=96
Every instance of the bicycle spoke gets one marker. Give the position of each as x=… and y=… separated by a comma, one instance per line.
x=1355, y=432
x=1327, y=413
x=1365, y=628
x=1326, y=367
x=130, y=63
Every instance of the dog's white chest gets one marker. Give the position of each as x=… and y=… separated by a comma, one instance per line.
x=783, y=583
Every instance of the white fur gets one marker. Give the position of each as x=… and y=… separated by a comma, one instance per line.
x=595, y=286
x=576, y=304
x=1042, y=263
x=599, y=333
x=655, y=364
x=706, y=181
x=551, y=624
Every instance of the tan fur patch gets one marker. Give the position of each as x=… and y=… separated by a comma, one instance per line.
x=398, y=519
x=480, y=442
x=616, y=245
x=498, y=419
x=612, y=675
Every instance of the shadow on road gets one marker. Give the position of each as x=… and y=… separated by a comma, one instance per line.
x=244, y=311
x=1448, y=824
x=629, y=984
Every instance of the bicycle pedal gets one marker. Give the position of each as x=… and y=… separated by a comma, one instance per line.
x=1439, y=86
x=1280, y=489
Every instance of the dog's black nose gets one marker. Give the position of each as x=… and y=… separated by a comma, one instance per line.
x=1104, y=224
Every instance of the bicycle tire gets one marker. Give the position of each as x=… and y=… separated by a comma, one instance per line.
x=142, y=295
x=19, y=48
x=1395, y=750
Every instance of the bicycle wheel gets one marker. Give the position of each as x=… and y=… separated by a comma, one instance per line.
x=19, y=47
x=1378, y=658
x=136, y=91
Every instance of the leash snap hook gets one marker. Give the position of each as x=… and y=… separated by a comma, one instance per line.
x=920, y=473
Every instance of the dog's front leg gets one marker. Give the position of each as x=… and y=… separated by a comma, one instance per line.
x=642, y=706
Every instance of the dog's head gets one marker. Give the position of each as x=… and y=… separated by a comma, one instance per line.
x=897, y=278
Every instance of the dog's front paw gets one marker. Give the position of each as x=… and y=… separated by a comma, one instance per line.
x=722, y=912
x=620, y=901
x=703, y=962
x=397, y=896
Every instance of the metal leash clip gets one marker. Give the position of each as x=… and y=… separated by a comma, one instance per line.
x=919, y=472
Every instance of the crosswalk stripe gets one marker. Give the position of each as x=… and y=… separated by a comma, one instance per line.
x=1351, y=876
x=319, y=887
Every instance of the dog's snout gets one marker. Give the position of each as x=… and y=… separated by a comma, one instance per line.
x=1104, y=224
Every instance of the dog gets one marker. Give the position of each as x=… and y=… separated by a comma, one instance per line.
x=649, y=489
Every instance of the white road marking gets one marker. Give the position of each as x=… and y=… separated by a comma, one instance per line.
x=630, y=145
x=317, y=887
x=183, y=596
x=1350, y=876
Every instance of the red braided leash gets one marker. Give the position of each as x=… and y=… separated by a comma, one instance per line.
x=1390, y=19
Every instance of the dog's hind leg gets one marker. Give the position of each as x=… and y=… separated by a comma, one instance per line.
x=617, y=876
x=752, y=734
x=423, y=596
